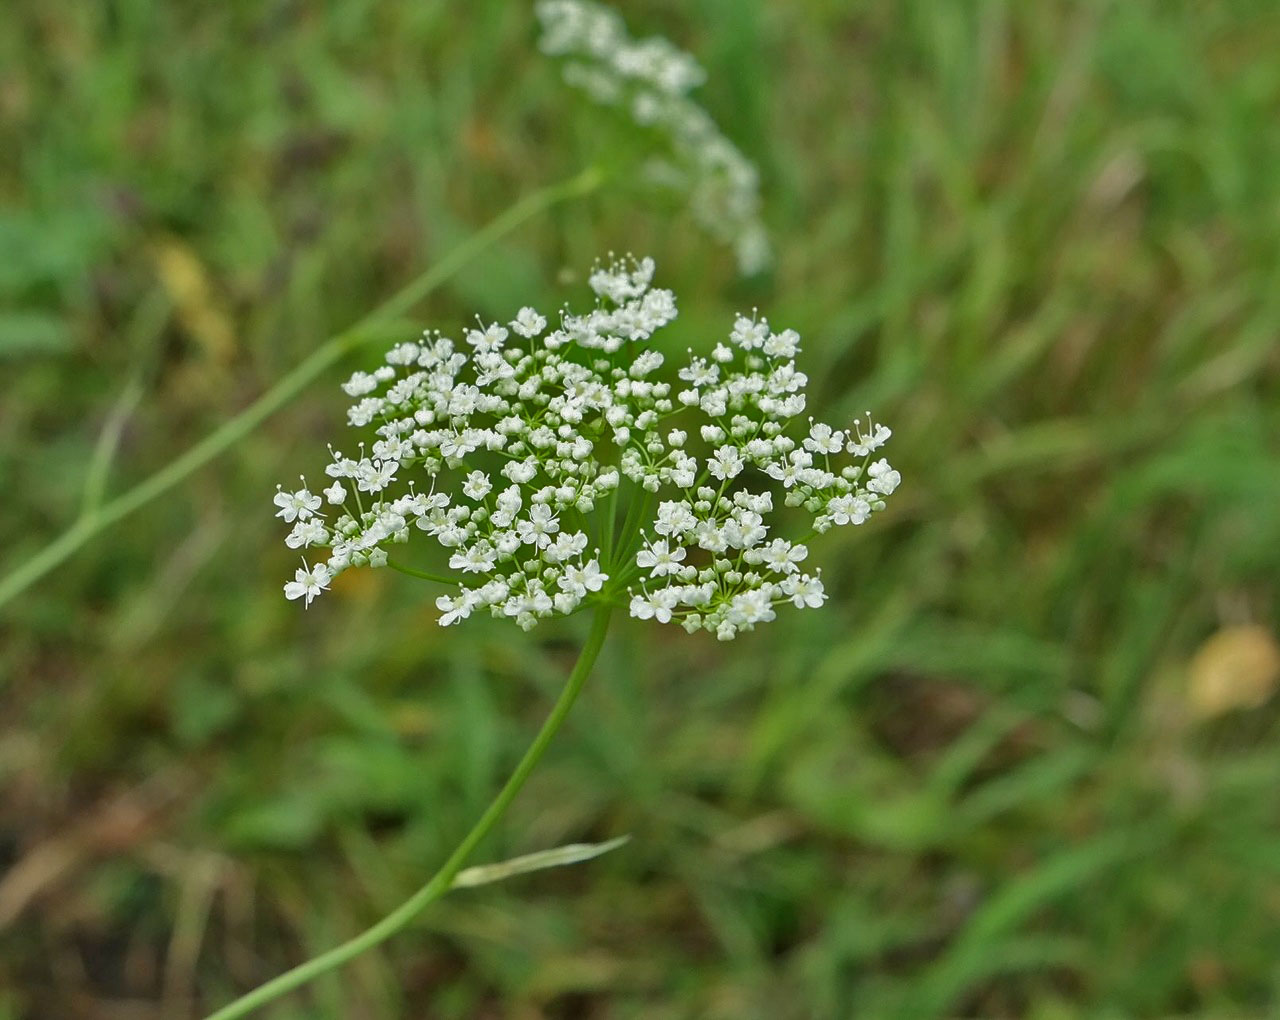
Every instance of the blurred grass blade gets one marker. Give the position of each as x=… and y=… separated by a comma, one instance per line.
x=996, y=924
x=1038, y=781
x=570, y=853
x=28, y=334
x=104, y=451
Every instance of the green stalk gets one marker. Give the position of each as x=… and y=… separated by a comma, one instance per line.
x=441, y=881
x=425, y=575
x=97, y=519
x=628, y=543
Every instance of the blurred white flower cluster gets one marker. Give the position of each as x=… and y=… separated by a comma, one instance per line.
x=649, y=80
x=556, y=466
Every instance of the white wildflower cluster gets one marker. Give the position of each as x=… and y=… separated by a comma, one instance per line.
x=514, y=447
x=649, y=81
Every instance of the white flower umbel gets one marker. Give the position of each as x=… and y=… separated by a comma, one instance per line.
x=520, y=450
x=649, y=81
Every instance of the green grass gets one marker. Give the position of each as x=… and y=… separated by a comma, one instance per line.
x=1040, y=240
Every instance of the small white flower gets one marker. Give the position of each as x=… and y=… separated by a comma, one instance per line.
x=577, y=580
x=453, y=608
x=745, y=530
x=539, y=528
x=566, y=546
x=749, y=334
x=307, y=583
x=374, y=476
x=849, y=509
x=403, y=354
x=782, y=345
x=755, y=605
x=295, y=505
x=528, y=323
x=660, y=559
x=862, y=445
x=674, y=518
x=787, y=472
x=360, y=384
x=651, y=607
x=781, y=556
x=477, y=485
x=520, y=471
x=823, y=439
x=479, y=559
x=725, y=463
x=804, y=591
x=645, y=364
x=488, y=340
x=307, y=532
x=883, y=478
x=710, y=537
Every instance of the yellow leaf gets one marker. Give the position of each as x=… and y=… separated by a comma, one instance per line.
x=1238, y=667
x=194, y=298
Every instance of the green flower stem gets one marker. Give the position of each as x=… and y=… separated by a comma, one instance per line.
x=97, y=519
x=95, y=482
x=441, y=881
x=610, y=525
x=629, y=541
x=426, y=575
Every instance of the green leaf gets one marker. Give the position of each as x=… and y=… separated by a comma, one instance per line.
x=27, y=333
x=570, y=853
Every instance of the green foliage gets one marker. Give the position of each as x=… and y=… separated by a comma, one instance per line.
x=1040, y=240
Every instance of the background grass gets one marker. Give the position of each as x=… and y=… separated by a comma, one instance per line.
x=1042, y=240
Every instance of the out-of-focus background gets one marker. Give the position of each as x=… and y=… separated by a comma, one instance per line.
x=1025, y=763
